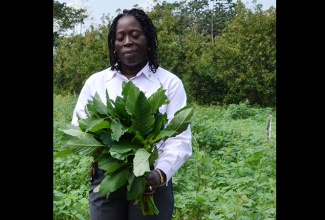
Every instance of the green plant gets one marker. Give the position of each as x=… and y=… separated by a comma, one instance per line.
x=122, y=136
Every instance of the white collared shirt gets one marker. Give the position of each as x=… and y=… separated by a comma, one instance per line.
x=174, y=151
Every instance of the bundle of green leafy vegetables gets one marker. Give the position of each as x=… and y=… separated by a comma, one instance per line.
x=121, y=136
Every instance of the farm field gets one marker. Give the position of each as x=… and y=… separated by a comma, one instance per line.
x=230, y=176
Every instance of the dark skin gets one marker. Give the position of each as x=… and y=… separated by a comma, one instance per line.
x=131, y=45
x=132, y=50
x=153, y=180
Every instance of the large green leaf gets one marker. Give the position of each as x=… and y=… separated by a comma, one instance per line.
x=109, y=164
x=73, y=131
x=120, y=109
x=106, y=139
x=164, y=134
x=124, y=147
x=97, y=125
x=157, y=99
x=91, y=110
x=113, y=181
x=84, y=123
x=142, y=119
x=131, y=93
x=160, y=121
x=99, y=106
x=126, y=86
x=84, y=145
x=138, y=138
x=118, y=130
x=141, y=162
x=136, y=187
x=181, y=120
x=131, y=178
x=110, y=107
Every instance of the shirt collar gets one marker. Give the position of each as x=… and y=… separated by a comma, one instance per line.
x=145, y=71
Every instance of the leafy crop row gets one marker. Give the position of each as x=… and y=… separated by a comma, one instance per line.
x=231, y=174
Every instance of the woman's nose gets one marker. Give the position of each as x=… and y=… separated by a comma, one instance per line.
x=128, y=41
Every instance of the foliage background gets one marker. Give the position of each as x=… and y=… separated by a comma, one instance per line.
x=228, y=51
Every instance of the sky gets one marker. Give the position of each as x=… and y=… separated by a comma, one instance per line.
x=97, y=8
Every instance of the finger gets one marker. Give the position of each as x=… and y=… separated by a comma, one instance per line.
x=149, y=190
x=148, y=193
x=150, y=183
x=150, y=176
x=151, y=180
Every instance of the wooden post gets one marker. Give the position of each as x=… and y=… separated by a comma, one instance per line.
x=269, y=127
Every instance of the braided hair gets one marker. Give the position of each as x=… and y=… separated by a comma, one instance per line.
x=150, y=32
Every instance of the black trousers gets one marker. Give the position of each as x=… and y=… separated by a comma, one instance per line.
x=116, y=206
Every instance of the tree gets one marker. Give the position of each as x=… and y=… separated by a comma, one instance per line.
x=239, y=64
x=65, y=18
x=243, y=58
x=79, y=56
x=209, y=20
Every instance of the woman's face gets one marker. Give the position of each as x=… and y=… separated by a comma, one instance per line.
x=131, y=43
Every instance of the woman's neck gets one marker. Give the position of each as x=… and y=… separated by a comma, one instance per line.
x=131, y=71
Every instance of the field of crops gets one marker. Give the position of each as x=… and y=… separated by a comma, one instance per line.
x=231, y=174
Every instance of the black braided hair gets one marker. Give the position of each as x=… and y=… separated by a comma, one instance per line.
x=150, y=32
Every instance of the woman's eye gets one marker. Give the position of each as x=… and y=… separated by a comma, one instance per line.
x=133, y=35
x=119, y=38
x=136, y=35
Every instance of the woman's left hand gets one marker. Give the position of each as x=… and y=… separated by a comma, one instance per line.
x=153, y=182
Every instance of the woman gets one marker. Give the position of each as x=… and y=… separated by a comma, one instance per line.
x=132, y=44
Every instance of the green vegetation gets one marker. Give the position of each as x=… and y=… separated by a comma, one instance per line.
x=226, y=50
x=231, y=174
x=226, y=57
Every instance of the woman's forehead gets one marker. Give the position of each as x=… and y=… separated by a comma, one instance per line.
x=128, y=21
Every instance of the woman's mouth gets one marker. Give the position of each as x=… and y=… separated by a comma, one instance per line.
x=128, y=53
